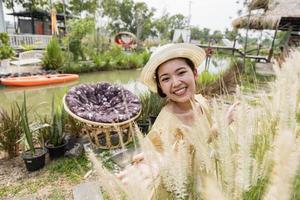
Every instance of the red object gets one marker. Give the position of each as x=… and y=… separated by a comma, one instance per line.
x=38, y=80
x=119, y=41
x=39, y=28
x=209, y=51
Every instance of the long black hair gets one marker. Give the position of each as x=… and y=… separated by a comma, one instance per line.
x=159, y=90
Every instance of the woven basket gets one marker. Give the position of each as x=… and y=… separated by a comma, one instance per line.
x=106, y=135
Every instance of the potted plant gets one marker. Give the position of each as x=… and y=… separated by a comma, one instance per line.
x=56, y=143
x=6, y=51
x=143, y=121
x=73, y=128
x=10, y=131
x=34, y=158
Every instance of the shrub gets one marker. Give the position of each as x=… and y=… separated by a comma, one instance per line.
x=76, y=49
x=5, y=50
x=78, y=29
x=53, y=58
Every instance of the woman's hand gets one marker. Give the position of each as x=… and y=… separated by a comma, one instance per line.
x=139, y=168
x=138, y=158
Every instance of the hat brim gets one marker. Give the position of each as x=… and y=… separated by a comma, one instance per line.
x=182, y=50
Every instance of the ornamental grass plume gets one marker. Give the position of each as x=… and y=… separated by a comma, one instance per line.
x=233, y=150
x=136, y=185
x=212, y=190
x=286, y=151
x=256, y=157
x=108, y=182
x=286, y=162
x=175, y=167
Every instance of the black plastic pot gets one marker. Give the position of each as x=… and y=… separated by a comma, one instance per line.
x=143, y=126
x=56, y=151
x=152, y=119
x=34, y=162
x=114, y=138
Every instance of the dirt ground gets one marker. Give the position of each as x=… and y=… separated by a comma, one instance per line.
x=13, y=173
x=12, y=170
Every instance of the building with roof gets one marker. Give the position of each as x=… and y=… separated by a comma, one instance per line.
x=272, y=15
x=277, y=15
x=38, y=22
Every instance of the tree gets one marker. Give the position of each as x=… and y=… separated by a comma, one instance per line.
x=195, y=33
x=231, y=35
x=143, y=20
x=217, y=36
x=205, y=35
x=162, y=27
x=78, y=29
x=166, y=25
x=129, y=16
x=29, y=5
x=178, y=21
x=78, y=6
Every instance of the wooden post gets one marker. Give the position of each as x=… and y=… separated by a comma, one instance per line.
x=18, y=29
x=32, y=21
x=2, y=21
x=65, y=20
x=259, y=44
x=246, y=41
x=272, y=46
x=233, y=48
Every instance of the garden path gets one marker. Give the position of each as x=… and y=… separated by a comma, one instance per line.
x=87, y=191
x=22, y=69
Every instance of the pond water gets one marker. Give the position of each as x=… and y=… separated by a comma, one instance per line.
x=40, y=96
x=214, y=65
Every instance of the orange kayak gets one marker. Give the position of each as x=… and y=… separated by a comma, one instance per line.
x=38, y=80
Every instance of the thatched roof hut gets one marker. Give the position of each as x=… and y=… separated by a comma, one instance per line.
x=272, y=14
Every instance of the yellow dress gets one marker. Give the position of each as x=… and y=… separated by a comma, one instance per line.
x=169, y=123
x=171, y=127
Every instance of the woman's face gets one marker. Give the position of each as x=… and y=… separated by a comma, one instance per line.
x=177, y=80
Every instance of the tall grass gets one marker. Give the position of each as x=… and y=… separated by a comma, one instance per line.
x=256, y=157
x=10, y=131
x=206, y=78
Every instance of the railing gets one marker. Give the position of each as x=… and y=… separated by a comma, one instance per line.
x=37, y=41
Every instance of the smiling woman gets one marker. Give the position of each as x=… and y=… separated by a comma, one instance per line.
x=171, y=72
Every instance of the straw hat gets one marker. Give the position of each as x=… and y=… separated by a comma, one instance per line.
x=165, y=53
